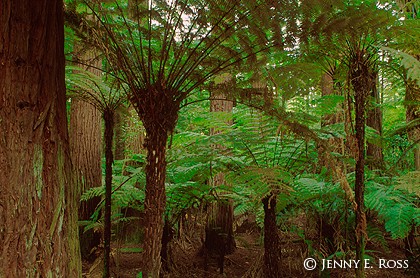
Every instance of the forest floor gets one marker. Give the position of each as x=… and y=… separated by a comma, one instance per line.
x=246, y=261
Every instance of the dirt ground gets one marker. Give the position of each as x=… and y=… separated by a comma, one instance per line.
x=246, y=261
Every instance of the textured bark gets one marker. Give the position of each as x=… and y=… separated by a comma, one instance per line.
x=38, y=200
x=159, y=113
x=85, y=145
x=272, y=252
x=362, y=79
x=374, y=120
x=219, y=231
x=109, y=159
x=155, y=201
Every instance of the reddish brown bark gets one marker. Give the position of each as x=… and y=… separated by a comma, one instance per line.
x=159, y=114
x=85, y=145
x=38, y=206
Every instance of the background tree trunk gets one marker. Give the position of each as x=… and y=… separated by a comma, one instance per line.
x=374, y=120
x=85, y=146
x=336, y=144
x=219, y=231
x=134, y=140
x=38, y=211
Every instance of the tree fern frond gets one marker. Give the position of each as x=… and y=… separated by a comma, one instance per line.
x=399, y=218
x=410, y=63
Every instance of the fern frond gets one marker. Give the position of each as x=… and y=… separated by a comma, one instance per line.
x=410, y=182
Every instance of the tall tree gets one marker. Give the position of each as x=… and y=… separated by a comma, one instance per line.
x=38, y=206
x=219, y=230
x=85, y=146
x=107, y=99
x=362, y=75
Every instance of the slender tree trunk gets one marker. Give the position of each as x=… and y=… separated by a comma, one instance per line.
x=362, y=78
x=109, y=159
x=38, y=199
x=272, y=251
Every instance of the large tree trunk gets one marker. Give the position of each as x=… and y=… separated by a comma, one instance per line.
x=38, y=199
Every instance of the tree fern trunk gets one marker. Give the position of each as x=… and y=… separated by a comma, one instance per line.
x=362, y=79
x=109, y=133
x=159, y=113
x=272, y=251
x=155, y=200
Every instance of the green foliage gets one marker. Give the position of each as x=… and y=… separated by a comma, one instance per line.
x=408, y=62
x=127, y=191
x=394, y=206
x=177, y=50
